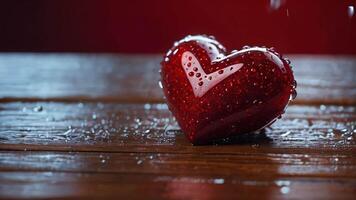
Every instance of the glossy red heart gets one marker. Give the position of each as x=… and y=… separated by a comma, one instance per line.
x=215, y=95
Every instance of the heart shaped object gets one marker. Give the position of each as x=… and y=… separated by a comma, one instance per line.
x=214, y=95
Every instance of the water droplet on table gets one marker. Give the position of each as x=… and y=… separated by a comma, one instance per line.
x=38, y=109
x=160, y=84
x=147, y=106
x=285, y=190
x=219, y=181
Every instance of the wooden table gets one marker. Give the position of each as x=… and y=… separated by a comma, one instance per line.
x=90, y=126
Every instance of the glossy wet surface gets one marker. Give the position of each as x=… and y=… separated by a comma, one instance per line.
x=90, y=126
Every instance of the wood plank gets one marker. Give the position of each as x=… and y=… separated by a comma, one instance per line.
x=150, y=128
x=134, y=78
x=54, y=185
x=80, y=77
x=243, y=165
x=323, y=80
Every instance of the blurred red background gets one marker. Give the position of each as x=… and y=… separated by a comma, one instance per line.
x=292, y=26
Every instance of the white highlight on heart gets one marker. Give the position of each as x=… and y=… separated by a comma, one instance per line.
x=198, y=79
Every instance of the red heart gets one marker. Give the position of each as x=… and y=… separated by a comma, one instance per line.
x=213, y=95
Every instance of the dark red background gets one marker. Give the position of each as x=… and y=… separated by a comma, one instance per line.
x=132, y=26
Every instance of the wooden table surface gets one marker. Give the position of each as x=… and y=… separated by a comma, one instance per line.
x=90, y=126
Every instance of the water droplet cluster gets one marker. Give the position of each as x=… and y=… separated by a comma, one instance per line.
x=115, y=123
x=98, y=123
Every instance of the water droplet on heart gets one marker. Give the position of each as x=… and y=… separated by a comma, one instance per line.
x=195, y=69
x=189, y=58
x=210, y=77
x=294, y=84
x=350, y=11
x=191, y=73
x=169, y=53
x=234, y=51
x=198, y=75
x=189, y=64
x=246, y=47
x=221, y=71
x=293, y=94
x=200, y=83
x=211, y=37
x=175, y=51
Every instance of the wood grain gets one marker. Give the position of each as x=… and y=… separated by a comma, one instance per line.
x=134, y=78
x=150, y=127
x=246, y=165
x=59, y=185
